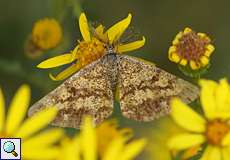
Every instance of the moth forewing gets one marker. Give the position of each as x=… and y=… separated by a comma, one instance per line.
x=145, y=90
x=88, y=92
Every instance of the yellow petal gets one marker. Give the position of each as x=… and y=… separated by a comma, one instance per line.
x=76, y=147
x=18, y=108
x=37, y=122
x=202, y=35
x=88, y=140
x=84, y=28
x=210, y=47
x=56, y=61
x=2, y=110
x=172, y=49
x=114, y=150
x=132, y=149
x=183, y=62
x=100, y=29
x=221, y=115
x=100, y=34
x=212, y=153
x=174, y=57
x=45, y=138
x=226, y=153
x=226, y=140
x=175, y=41
x=187, y=30
x=66, y=73
x=207, y=97
x=74, y=53
x=40, y=153
x=177, y=38
x=222, y=92
x=179, y=35
x=194, y=65
x=207, y=53
x=70, y=151
x=206, y=153
x=215, y=154
x=204, y=61
x=186, y=117
x=185, y=141
x=131, y=46
x=115, y=32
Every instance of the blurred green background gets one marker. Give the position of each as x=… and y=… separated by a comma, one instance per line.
x=158, y=20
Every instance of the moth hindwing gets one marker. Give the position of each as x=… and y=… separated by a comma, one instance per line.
x=144, y=91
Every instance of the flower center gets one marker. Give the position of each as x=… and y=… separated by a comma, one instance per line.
x=46, y=34
x=90, y=51
x=216, y=131
x=191, y=46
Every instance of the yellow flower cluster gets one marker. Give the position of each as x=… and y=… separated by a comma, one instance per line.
x=87, y=143
x=92, y=47
x=191, y=48
x=107, y=141
x=34, y=145
x=212, y=129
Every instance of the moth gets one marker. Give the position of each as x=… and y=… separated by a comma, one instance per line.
x=144, y=91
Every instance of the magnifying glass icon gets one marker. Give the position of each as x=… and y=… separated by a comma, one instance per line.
x=9, y=147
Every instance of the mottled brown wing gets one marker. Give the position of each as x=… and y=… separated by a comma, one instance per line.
x=88, y=92
x=145, y=90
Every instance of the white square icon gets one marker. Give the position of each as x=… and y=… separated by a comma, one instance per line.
x=10, y=148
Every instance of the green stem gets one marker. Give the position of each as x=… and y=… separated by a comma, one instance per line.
x=77, y=9
x=58, y=9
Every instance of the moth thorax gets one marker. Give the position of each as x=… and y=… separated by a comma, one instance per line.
x=110, y=50
x=110, y=62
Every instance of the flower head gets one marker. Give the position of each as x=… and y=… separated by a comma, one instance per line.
x=213, y=129
x=87, y=143
x=14, y=126
x=46, y=33
x=191, y=49
x=94, y=45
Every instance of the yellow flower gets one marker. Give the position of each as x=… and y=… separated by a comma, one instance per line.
x=213, y=129
x=34, y=146
x=86, y=146
x=46, y=33
x=93, y=46
x=191, y=49
x=108, y=131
